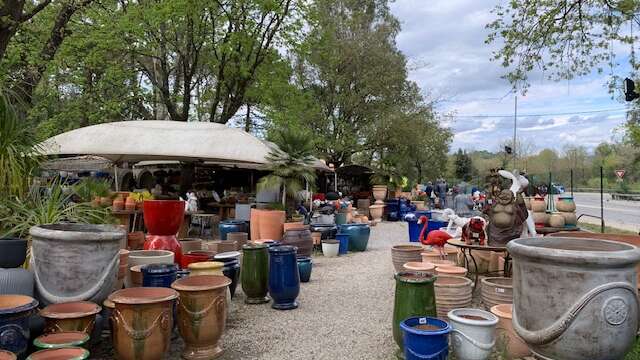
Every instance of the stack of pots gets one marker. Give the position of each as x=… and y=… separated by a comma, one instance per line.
x=452, y=292
x=13, y=278
x=144, y=257
x=402, y=254
x=539, y=211
x=567, y=208
x=496, y=290
x=300, y=238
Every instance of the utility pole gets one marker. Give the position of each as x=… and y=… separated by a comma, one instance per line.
x=515, y=128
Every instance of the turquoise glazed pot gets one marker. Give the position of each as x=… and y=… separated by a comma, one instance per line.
x=305, y=264
x=358, y=235
x=15, y=311
x=284, y=278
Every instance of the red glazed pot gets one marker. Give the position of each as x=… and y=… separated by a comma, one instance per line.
x=163, y=217
x=194, y=257
x=165, y=242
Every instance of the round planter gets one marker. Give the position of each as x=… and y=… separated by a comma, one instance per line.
x=190, y=244
x=358, y=235
x=570, y=218
x=305, y=264
x=71, y=316
x=16, y=281
x=163, y=217
x=202, y=314
x=379, y=193
x=565, y=203
x=61, y=340
x=144, y=257
x=284, y=278
x=425, y=338
x=451, y=270
x=300, y=238
x=508, y=340
x=497, y=290
x=206, y=268
x=344, y=243
x=70, y=353
x=7, y=355
x=13, y=252
x=74, y=262
x=231, y=268
x=556, y=220
x=402, y=254
x=589, y=289
x=540, y=218
x=15, y=311
x=433, y=255
x=452, y=292
x=254, y=276
x=376, y=212
x=228, y=226
x=414, y=296
x=473, y=333
x=419, y=266
x=326, y=231
x=195, y=256
x=341, y=218
x=330, y=248
x=538, y=205
x=438, y=262
x=141, y=322
x=240, y=238
x=158, y=275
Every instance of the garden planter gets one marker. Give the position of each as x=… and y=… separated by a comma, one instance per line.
x=570, y=219
x=473, y=333
x=425, y=338
x=419, y=266
x=267, y=224
x=15, y=311
x=74, y=262
x=358, y=235
x=123, y=266
x=379, y=193
x=431, y=255
x=556, y=220
x=254, y=276
x=63, y=339
x=508, y=340
x=228, y=226
x=496, y=290
x=7, y=355
x=144, y=257
x=344, y=243
x=305, y=264
x=13, y=252
x=452, y=292
x=158, y=275
x=206, y=268
x=451, y=270
x=231, y=268
x=301, y=239
x=326, y=231
x=587, y=307
x=71, y=316
x=141, y=322
x=402, y=254
x=163, y=219
x=414, y=296
x=538, y=204
x=376, y=212
x=202, y=314
x=240, y=238
x=565, y=203
x=16, y=281
x=70, y=353
x=195, y=256
x=294, y=225
x=341, y=218
x=135, y=240
x=219, y=246
x=540, y=218
x=330, y=248
x=190, y=244
x=284, y=278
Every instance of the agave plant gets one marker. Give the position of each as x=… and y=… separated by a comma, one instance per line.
x=88, y=188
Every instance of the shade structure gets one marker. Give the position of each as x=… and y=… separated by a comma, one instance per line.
x=134, y=141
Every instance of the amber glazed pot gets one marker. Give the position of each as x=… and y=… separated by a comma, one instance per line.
x=202, y=314
x=70, y=316
x=141, y=322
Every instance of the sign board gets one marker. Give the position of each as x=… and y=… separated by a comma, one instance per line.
x=620, y=174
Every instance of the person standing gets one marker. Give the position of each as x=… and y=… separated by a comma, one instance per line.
x=441, y=189
x=430, y=196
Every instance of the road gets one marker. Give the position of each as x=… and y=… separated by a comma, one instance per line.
x=617, y=213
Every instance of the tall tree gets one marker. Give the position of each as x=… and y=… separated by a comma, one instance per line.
x=14, y=13
x=463, y=166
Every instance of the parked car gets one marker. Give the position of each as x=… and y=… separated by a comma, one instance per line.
x=557, y=188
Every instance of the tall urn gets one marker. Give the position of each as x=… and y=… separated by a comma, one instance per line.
x=284, y=277
x=163, y=218
x=254, y=276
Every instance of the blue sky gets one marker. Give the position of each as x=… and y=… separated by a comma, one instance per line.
x=444, y=42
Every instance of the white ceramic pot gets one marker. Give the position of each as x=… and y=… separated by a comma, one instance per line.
x=330, y=249
x=144, y=257
x=474, y=333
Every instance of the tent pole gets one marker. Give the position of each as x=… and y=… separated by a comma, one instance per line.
x=115, y=172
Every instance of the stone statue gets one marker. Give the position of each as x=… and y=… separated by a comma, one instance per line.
x=507, y=212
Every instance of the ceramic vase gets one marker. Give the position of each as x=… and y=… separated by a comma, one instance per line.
x=358, y=235
x=163, y=219
x=158, y=275
x=473, y=333
x=71, y=316
x=254, y=276
x=144, y=257
x=330, y=248
x=376, y=212
x=414, y=296
x=231, y=268
x=15, y=311
x=305, y=264
x=379, y=193
x=284, y=278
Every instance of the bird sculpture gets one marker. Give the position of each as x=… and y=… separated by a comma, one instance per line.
x=436, y=238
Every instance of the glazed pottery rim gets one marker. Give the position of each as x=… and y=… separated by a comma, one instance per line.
x=217, y=282
x=463, y=281
x=424, y=266
x=407, y=247
x=330, y=241
x=158, y=268
x=499, y=311
x=443, y=329
x=206, y=265
x=51, y=311
x=490, y=281
x=542, y=248
x=27, y=304
x=81, y=353
x=82, y=339
x=416, y=277
x=124, y=297
x=227, y=255
x=489, y=318
x=77, y=232
x=254, y=246
x=303, y=258
x=283, y=249
x=163, y=201
x=144, y=254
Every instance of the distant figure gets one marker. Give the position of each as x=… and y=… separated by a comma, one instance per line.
x=430, y=195
x=441, y=189
x=463, y=204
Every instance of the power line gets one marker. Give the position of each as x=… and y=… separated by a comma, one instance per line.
x=547, y=114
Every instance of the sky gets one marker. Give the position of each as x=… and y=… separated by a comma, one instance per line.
x=444, y=42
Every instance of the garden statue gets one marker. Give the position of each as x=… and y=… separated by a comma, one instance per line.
x=507, y=211
x=473, y=231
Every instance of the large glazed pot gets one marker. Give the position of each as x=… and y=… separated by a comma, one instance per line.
x=327, y=231
x=496, y=290
x=301, y=239
x=376, y=212
x=206, y=268
x=141, y=322
x=202, y=314
x=402, y=254
x=163, y=217
x=414, y=297
x=144, y=257
x=305, y=264
x=587, y=305
x=75, y=262
x=452, y=292
x=15, y=311
x=358, y=235
x=379, y=193
x=228, y=226
x=231, y=268
x=474, y=333
x=507, y=338
x=284, y=278
x=13, y=252
x=71, y=316
x=254, y=276
x=158, y=275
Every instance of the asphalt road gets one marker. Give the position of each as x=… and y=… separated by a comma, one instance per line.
x=617, y=213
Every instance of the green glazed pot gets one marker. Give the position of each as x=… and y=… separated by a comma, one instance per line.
x=62, y=339
x=254, y=275
x=415, y=296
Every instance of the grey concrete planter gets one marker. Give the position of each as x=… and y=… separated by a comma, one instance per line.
x=75, y=262
x=575, y=299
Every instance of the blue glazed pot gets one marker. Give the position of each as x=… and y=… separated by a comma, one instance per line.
x=13, y=252
x=341, y=218
x=231, y=269
x=227, y=226
x=15, y=311
x=284, y=278
x=158, y=275
x=305, y=264
x=344, y=243
x=425, y=344
x=358, y=235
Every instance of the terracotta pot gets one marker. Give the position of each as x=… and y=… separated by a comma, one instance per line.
x=7, y=355
x=429, y=255
x=106, y=201
x=418, y=266
x=220, y=246
x=538, y=205
x=122, y=269
x=451, y=270
x=63, y=339
x=298, y=225
x=15, y=312
x=254, y=225
x=401, y=254
x=130, y=204
x=439, y=262
x=271, y=224
x=141, y=322
x=379, y=193
x=316, y=237
x=570, y=218
x=202, y=310
x=540, y=218
x=135, y=240
x=300, y=238
x=556, y=220
x=71, y=316
x=452, y=292
x=206, y=268
x=240, y=238
x=508, y=340
x=376, y=212
x=565, y=203
x=144, y=257
x=135, y=276
x=496, y=290
x=118, y=203
x=190, y=244
x=69, y=353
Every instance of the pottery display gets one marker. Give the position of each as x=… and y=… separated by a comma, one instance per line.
x=201, y=314
x=540, y=218
x=358, y=235
x=141, y=322
x=135, y=240
x=570, y=219
x=240, y=238
x=284, y=277
x=71, y=316
x=61, y=339
x=254, y=276
x=452, y=292
x=15, y=311
x=267, y=224
x=556, y=220
x=538, y=204
x=163, y=219
x=402, y=254
x=376, y=212
x=158, y=275
x=419, y=266
x=123, y=267
x=343, y=239
x=231, y=268
x=301, y=239
x=496, y=290
x=587, y=301
x=565, y=203
x=219, y=246
x=431, y=254
x=305, y=264
x=508, y=340
x=69, y=353
x=228, y=226
x=73, y=262
x=13, y=252
x=7, y=355
x=330, y=248
x=190, y=244
x=16, y=281
x=206, y=268
x=473, y=333
x=425, y=338
x=144, y=257
x=451, y=270
x=414, y=296
x=379, y=193
x=195, y=256
x=327, y=231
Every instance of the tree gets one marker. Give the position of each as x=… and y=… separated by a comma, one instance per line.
x=463, y=166
x=14, y=13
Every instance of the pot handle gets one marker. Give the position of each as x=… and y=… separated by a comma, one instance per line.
x=438, y=355
x=163, y=320
x=475, y=342
x=552, y=332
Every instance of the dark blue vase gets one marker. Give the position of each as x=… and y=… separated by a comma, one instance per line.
x=228, y=226
x=14, y=323
x=284, y=278
x=358, y=235
x=231, y=269
x=158, y=275
x=304, y=268
x=344, y=243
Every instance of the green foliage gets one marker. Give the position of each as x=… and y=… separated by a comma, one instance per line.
x=88, y=188
x=463, y=166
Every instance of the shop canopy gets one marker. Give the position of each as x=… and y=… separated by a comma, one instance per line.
x=135, y=141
